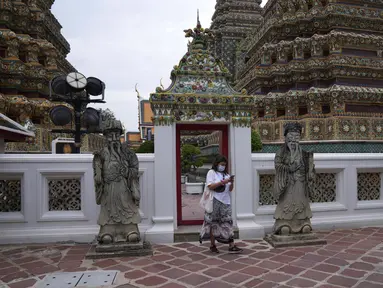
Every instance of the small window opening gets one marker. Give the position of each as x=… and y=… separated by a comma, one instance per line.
x=281, y=112
x=303, y=110
x=326, y=109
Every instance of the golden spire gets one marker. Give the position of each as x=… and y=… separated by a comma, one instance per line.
x=138, y=105
x=162, y=86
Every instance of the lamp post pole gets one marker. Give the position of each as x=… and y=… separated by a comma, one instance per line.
x=77, y=119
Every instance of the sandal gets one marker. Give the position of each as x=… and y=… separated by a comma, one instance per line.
x=213, y=249
x=235, y=249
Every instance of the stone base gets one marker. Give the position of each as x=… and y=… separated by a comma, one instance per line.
x=120, y=250
x=278, y=241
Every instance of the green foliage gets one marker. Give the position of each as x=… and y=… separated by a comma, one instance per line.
x=190, y=158
x=146, y=147
x=256, y=142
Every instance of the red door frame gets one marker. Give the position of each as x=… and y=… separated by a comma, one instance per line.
x=224, y=148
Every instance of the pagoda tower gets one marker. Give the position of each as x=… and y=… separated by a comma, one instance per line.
x=32, y=52
x=233, y=20
x=317, y=62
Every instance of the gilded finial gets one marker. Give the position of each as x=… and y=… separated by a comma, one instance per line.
x=138, y=93
x=162, y=86
x=138, y=106
x=198, y=23
x=200, y=36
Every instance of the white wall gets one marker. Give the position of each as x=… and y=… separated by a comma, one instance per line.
x=35, y=223
x=346, y=211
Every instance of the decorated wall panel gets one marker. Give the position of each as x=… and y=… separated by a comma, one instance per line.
x=10, y=195
x=266, y=183
x=64, y=194
x=369, y=186
x=324, y=190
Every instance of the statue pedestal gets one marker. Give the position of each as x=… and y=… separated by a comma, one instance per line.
x=120, y=250
x=278, y=241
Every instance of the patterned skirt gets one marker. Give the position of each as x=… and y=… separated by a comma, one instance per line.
x=219, y=223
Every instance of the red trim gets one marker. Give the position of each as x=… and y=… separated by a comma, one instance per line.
x=224, y=150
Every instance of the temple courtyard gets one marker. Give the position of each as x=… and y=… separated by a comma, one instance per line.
x=352, y=258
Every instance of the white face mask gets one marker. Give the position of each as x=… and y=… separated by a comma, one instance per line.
x=221, y=168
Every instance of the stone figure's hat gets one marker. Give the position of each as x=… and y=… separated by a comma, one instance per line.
x=292, y=127
x=113, y=126
x=109, y=123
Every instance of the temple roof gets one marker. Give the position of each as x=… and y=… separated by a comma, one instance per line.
x=199, y=71
x=11, y=130
x=200, y=89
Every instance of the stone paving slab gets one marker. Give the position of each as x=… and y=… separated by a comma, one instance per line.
x=190, y=206
x=351, y=258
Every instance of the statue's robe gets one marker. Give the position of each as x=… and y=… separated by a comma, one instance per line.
x=292, y=190
x=118, y=192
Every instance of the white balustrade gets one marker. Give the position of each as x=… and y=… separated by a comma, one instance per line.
x=348, y=191
x=49, y=198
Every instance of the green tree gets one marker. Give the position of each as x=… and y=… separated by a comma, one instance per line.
x=256, y=142
x=146, y=147
x=190, y=158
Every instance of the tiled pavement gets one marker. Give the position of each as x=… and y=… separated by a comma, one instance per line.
x=190, y=207
x=352, y=258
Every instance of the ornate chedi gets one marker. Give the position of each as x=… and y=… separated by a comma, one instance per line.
x=200, y=91
x=317, y=62
x=233, y=20
x=32, y=52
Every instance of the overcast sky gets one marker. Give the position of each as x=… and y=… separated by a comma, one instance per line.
x=124, y=42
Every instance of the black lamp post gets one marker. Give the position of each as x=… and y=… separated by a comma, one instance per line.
x=77, y=91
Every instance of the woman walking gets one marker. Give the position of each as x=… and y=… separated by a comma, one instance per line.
x=218, y=225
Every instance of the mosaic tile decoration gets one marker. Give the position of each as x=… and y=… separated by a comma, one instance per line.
x=342, y=147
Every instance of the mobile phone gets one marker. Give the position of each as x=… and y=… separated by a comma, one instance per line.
x=232, y=176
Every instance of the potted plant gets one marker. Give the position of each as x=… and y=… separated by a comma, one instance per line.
x=190, y=161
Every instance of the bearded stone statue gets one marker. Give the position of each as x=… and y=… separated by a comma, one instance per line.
x=293, y=183
x=116, y=180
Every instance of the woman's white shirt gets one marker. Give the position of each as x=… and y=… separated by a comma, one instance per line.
x=214, y=177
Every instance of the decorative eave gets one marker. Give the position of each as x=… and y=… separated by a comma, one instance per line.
x=335, y=95
x=26, y=107
x=335, y=41
x=360, y=18
x=34, y=18
x=12, y=131
x=330, y=67
x=200, y=89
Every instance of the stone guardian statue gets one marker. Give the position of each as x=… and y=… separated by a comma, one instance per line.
x=116, y=181
x=294, y=180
